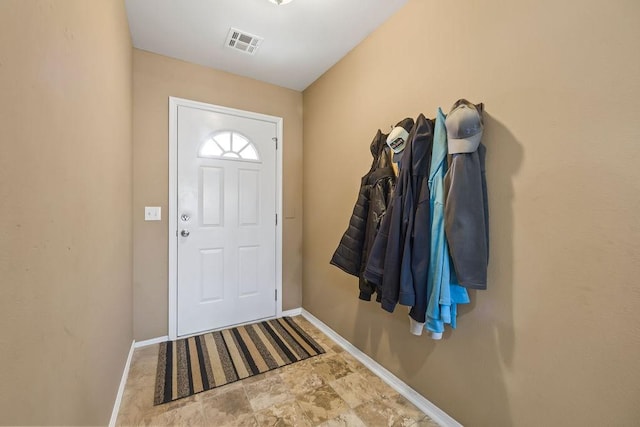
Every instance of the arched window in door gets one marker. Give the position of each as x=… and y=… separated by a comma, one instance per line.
x=228, y=145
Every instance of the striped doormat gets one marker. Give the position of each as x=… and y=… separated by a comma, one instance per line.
x=192, y=365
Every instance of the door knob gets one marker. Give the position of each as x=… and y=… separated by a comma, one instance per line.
x=184, y=233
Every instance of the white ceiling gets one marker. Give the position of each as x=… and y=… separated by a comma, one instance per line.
x=302, y=39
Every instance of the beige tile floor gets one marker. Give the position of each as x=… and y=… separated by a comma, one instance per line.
x=332, y=389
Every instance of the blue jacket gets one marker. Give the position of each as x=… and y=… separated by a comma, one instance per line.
x=443, y=292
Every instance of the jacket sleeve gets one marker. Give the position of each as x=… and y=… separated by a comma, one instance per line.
x=348, y=255
x=390, y=287
x=466, y=219
x=482, y=151
x=406, y=286
x=380, y=196
x=421, y=254
x=375, y=264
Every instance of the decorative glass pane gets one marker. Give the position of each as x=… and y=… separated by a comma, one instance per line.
x=229, y=145
x=210, y=149
x=224, y=140
x=238, y=142
x=249, y=153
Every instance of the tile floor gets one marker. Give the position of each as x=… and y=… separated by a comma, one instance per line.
x=332, y=389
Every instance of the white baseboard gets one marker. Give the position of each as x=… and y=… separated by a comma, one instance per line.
x=152, y=341
x=123, y=382
x=435, y=413
x=158, y=340
x=292, y=312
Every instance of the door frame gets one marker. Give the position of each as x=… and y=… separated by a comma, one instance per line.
x=174, y=103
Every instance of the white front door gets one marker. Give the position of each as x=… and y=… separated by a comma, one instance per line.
x=226, y=219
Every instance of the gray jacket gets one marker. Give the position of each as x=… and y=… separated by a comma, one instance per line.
x=467, y=217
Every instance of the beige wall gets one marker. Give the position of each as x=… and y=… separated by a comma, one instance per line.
x=155, y=78
x=65, y=214
x=555, y=339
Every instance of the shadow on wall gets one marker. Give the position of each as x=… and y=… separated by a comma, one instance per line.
x=489, y=317
x=504, y=158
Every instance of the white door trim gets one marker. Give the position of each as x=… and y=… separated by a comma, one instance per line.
x=174, y=103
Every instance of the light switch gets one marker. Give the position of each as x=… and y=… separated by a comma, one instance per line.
x=152, y=213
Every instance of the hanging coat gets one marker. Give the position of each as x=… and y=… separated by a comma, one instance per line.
x=467, y=217
x=466, y=206
x=395, y=259
x=373, y=198
x=415, y=258
x=442, y=294
x=383, y=265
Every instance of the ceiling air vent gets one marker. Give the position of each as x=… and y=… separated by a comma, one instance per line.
x=243, y=41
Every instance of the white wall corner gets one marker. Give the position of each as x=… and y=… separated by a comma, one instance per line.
x=292, y=312
x=435, y=413
x=152, y=341
x=123, y=383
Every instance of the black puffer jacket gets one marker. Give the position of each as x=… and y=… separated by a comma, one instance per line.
x=373, y=198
